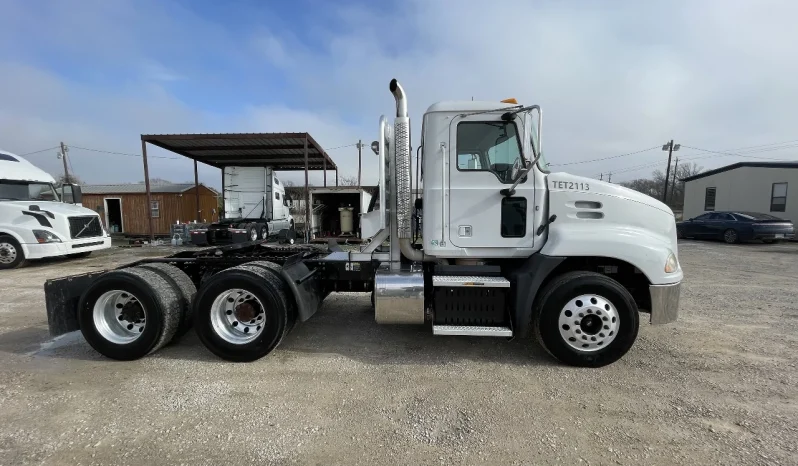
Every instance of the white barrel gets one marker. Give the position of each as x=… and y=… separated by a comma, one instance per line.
x=347, y=219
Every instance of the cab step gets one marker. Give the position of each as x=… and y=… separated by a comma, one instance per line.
x=472, y=330
x=470, y=281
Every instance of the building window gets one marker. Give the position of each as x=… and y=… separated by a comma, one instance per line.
x=709, y=199
x=778, y=197
x=155, y=209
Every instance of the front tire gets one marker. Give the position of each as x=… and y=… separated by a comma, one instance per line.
x=730, y=236
x=129, y=313
x=241, y=314
x=11, y=254
x=586, y=319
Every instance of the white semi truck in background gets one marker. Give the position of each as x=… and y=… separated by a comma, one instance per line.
x=35, y=224
x=255, y=208
x=508, y=249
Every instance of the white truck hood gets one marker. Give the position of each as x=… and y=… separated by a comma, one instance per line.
x=57, y=208
x=580, y=183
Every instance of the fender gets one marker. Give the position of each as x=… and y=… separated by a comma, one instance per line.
x=641, y=248
x=11, y=233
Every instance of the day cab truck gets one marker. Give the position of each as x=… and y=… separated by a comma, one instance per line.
x=35, y=224
x=255, y=208
x=509, y=249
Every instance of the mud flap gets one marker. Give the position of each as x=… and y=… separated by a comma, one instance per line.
x=61, y=296
x=306, y=286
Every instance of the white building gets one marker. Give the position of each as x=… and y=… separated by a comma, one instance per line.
x=770, y=188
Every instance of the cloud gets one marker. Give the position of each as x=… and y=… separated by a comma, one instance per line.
x=611, y=78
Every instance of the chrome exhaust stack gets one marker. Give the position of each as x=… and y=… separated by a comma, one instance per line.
x=402, y=176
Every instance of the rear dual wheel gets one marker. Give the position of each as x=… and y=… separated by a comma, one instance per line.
x=244, y=312
x=128, y=313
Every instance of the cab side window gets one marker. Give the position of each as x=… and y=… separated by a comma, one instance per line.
x=491, y=146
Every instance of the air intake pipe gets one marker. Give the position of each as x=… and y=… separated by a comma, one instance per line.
x=402, y=179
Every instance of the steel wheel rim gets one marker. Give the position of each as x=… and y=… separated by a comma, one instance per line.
x=119, y=317
x=589, y=323
x=238, y=316
x=730, y=236
x=253, y=235
x=8, y=253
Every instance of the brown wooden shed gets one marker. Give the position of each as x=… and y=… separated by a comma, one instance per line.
x=123, y=207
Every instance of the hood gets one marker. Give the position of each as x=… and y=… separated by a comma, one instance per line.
x=57, y=208
x=607, y=189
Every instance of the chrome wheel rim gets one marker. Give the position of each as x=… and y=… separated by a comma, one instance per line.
x=730, y=236
x=589, y=323
x=253, y=235
x=119, y=317
x=238, y=316
x=8, y=253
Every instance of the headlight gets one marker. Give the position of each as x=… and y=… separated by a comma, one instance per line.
x=44, y=236
x=672, y=264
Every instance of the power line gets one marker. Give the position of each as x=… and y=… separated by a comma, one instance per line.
x=722, y=153
x=125, y=153
x=604, y=158
x=38, y=151
x=341, y=147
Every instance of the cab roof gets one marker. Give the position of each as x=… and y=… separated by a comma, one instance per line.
x=460, y=106
x=15, y=168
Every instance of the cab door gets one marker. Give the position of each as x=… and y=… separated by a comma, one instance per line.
x=484, y=158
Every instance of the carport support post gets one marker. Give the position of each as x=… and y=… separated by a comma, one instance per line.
x=147, y=187
x=325, y=170
x=196, y=189
x=336, y=176
x=307, y=195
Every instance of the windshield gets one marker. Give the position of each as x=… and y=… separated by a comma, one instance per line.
x=27, y=191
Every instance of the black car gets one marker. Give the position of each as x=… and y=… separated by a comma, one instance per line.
x=733, y=227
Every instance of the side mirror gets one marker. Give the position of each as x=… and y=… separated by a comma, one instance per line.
x=71, y=193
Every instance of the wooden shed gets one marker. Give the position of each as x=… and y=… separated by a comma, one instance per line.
x=123, y=207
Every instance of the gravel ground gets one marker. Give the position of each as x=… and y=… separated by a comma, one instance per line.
x=718, y=387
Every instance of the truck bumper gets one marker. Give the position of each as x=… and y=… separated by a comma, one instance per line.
x=664, y=303
x=40, y=251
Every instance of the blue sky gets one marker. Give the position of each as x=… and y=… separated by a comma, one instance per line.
x=612, y=77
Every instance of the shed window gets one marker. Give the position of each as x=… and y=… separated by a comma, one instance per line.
x=709, y=199
x=778, y=197
x=155, y=209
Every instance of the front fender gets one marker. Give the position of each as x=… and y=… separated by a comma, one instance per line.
x=636, y=246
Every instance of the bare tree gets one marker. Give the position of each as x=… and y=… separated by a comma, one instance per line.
x=73, y=179
x=655, y=185
x=347, y=181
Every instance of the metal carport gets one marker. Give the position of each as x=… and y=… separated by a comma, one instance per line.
x=280, y=151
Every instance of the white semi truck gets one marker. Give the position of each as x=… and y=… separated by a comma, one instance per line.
x=35, y=224
x=255, y=208
x=509, y=250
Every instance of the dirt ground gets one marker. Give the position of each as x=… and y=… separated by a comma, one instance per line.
x=718, y=387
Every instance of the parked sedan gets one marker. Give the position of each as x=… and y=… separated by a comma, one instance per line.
x=733, y=227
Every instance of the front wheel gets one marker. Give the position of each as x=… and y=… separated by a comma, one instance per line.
x=11, y=255
x=586, y=319
x=730, y=236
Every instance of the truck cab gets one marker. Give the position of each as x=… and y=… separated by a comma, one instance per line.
x=35, y=223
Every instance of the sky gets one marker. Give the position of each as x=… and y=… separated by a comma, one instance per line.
x=612, y=77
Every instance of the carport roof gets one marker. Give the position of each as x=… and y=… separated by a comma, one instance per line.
x=280, y=151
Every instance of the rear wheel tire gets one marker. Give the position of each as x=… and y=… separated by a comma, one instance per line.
x=586, y=319
x=252, y=232
x=129, y=313
x=730, y=236
x=183, y=286
x=263, y=231
x=79, y=255
x=11, y=254
x=241, y=314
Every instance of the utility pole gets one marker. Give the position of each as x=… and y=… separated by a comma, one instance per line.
x=609, y=177
x=601, y=176
x=359, y=159
x=670, y=147
x=63, y=156
x=673, y=184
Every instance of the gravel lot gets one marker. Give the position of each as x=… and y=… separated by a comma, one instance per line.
x=718, y=387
